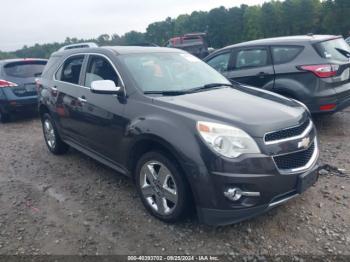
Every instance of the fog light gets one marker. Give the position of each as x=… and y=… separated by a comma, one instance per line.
x=234, y=194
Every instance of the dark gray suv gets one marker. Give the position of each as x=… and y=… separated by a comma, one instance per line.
x=189, y=139
x=313, y=69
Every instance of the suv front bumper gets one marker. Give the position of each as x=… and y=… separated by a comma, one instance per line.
x=270, y=198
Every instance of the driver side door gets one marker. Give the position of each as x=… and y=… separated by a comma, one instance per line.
x=102, y=123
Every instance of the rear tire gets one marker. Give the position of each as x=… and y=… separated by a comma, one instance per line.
x=51, y=136
x=4, y=117
x=163, y=190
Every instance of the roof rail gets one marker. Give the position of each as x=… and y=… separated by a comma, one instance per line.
x=79, y=45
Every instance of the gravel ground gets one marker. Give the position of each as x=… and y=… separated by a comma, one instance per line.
x=73, y=205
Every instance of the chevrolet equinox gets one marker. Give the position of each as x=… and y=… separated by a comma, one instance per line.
x=189, y=139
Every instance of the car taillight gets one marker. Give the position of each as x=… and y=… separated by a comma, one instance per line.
x=322, y=71
x=4, y=83
x=328, y=107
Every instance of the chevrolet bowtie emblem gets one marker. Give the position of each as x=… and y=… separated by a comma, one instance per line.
x=304, y=143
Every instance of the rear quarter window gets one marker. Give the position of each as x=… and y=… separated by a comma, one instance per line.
x=53, y=61
x=285, y=54
x=70, y=71
x=24, y=69
x=334, y=49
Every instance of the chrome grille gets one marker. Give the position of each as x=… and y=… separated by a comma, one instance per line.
x=287, y=133
x=297, y=161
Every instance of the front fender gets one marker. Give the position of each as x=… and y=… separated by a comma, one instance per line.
x=182, y=142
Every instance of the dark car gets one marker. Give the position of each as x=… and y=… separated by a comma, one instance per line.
x=313, y=69
x=188, y=138
x=17, y=85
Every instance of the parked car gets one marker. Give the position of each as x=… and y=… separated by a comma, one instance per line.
x=189, y=139
x=17, y=85
x=313, y=69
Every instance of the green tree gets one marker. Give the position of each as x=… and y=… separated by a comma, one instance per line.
x=218, y=26
x=252, y=23
x=133, y=37
x=271, y=19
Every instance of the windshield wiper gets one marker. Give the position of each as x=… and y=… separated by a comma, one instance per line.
x=208, y=86
x=187, y=91
x=166, y=93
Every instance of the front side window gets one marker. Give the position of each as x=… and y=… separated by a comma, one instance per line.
x=70, y=71
x=220, y=62
x=251, y=58
x=285, y=54
x=161, y=72
x=100, y=69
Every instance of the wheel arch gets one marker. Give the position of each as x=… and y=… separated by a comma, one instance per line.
x=292, y=89
x=43, y=109
x=147, y=143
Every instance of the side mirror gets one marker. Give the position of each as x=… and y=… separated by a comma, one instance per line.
x=106, y=87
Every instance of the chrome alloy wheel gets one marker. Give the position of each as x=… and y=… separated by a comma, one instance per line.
x=158, y=187
x=49, y=134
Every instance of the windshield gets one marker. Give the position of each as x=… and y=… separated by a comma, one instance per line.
x=164, y=72
x=336, y=49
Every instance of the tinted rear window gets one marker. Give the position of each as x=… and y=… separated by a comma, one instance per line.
x=285, y=54
x=25, y=69
x=335, y=49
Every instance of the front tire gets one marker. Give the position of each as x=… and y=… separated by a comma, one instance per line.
x=162, y=188
x=52, y=138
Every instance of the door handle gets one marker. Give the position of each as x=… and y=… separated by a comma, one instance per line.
x=262, y=74
x=82, y=99
x=54, y=91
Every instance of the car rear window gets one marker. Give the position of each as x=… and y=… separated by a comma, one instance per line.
x=335, y=49
x=285, y=54
x=24, y=69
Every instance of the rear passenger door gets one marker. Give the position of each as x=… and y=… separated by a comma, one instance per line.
x=252, y=66
x=64, y=94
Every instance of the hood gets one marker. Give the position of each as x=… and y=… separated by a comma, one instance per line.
x=255, y=111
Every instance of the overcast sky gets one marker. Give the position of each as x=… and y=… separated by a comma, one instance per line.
x=26, y=22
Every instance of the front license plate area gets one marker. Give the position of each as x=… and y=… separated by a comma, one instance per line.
x=307, y=180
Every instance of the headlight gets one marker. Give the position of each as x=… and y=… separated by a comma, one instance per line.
x=228, y=141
